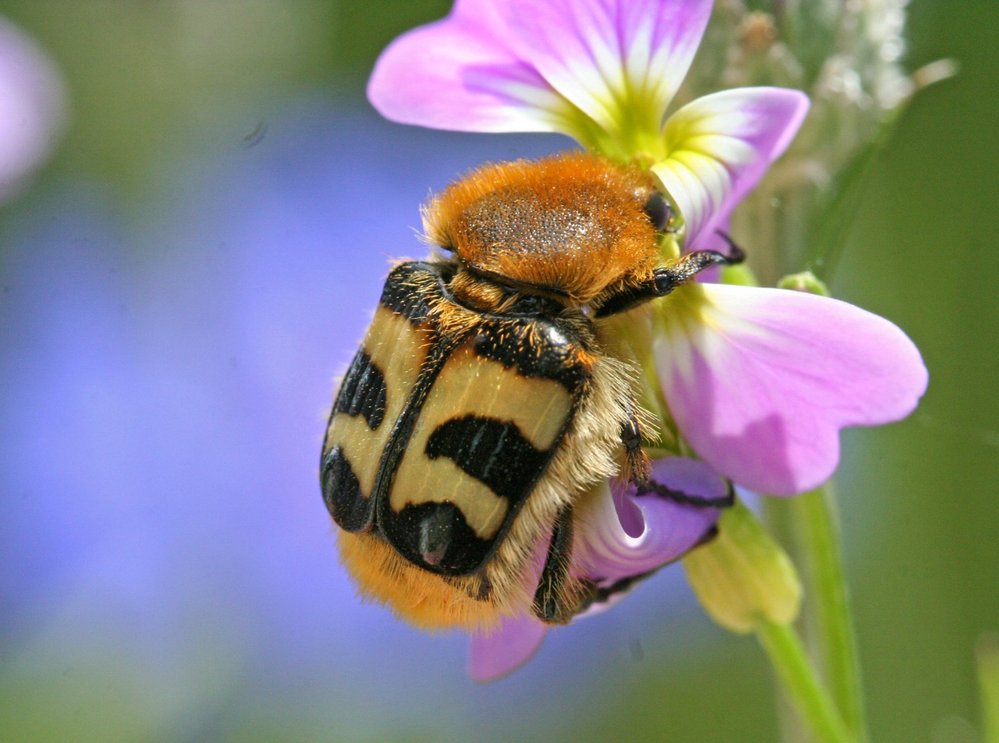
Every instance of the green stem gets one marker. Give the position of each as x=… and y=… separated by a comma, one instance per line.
x=801, y=683
x=814, y=519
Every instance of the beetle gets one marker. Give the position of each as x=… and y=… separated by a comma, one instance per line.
x=487, y=396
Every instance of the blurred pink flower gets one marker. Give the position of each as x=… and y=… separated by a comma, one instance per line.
x=32, y=108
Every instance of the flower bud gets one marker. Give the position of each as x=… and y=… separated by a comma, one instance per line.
x=806, y=281
x=743, y=575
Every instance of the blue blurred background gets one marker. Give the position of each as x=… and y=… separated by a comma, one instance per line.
x=185, y=277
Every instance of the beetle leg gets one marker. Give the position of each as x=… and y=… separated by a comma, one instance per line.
x=667, y=278
x=556, y=599
x=639, y=468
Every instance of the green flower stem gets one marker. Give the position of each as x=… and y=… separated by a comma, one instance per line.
x=814, y=520
x=800, y=682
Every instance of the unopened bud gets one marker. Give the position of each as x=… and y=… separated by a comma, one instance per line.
x=806, y=281
x=743, y=575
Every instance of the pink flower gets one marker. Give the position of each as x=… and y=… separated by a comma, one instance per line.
x=759, y=381
x=32, y=107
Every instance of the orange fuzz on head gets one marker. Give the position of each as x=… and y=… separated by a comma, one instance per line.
x=574, y=224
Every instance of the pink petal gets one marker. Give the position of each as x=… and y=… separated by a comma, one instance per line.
x=503, y=651
x=459, y=73
x=615, y=60
x=620, y=534
x=720, y=145
x=32, y=107
x=760, y=381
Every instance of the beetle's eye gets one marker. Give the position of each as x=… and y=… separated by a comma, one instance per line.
x=658, y=211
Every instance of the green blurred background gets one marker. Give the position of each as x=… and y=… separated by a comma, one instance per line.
x=154, y=84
